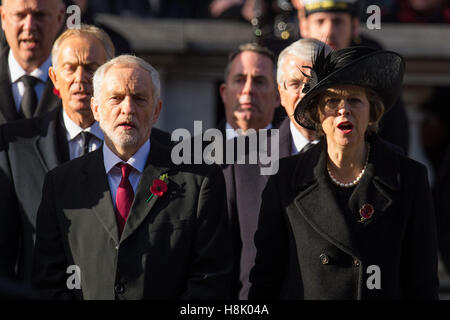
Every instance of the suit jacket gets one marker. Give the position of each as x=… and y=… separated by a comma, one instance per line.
x=29, y=148
x=308, y=248
x=173, y=247
x=245, y=185
x=8, y=111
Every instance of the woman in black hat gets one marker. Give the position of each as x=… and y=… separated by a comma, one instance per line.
x=351, y=218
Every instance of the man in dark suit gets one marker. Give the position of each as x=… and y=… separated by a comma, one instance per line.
x=29, y=148
x=30, y=28
x=133, y=224
x=245, y=182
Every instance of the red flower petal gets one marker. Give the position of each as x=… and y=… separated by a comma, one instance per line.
x=158, y=188
x=366, y=211
x=56, y=92
x=154, y=190
x=160, y=184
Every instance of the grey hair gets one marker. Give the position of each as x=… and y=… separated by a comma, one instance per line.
x=126, y=60
x=85, y=30
x=304, y=49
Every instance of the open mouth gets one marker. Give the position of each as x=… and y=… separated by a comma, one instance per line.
x=81, y=94
x=345, y=126
x=127, y=125
x=246, y=106
x=29, y=42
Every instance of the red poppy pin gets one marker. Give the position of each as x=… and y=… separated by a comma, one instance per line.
x=56, y=92
x=366, y=213
x=159, y=186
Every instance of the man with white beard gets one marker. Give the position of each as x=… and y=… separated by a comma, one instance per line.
x=124, y=222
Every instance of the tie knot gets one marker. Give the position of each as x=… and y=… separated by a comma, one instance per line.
x=307, y=146
x=29, y=81
x=126, y=169
x=86, y=136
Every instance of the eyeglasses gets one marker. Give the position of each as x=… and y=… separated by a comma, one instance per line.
x=331, y=105
x=294, y=86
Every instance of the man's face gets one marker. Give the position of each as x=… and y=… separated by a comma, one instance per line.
x=293, y=81
x=30, y=28
x=78, y=58
x=127, y=110
x=249, y=94
x=334, y=28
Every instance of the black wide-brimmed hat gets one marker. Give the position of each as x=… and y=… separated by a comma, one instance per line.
x=379, y=70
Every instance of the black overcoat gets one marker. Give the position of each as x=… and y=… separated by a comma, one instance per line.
x=307, y=248
x=176, y=246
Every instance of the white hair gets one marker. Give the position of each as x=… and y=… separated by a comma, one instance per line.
x=126, y=60
x=304, y=49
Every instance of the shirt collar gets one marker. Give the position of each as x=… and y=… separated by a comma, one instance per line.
x=137, y=161
x=73, y=130
x=16, y=71
x=231, y=133
x=298, y=138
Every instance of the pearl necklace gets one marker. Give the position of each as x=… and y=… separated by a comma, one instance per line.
x=354, y=182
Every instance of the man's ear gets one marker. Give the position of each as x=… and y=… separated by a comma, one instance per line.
x=355, y=27
x=278, y=98
x=53, y=77
x=94, y=108
x=303, y=25
x=157, y=112
x=2, y=15
x=61, y=16
x=222, y=89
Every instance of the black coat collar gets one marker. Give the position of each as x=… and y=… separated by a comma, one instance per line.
x=316, y=202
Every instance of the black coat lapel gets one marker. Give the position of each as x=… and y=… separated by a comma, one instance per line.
x=285, y=138
x=157, y=164
x=7, y=105
x=378, y=185
x=49, y=144
x=96, y=183
x=48, y=101
x=316, y=202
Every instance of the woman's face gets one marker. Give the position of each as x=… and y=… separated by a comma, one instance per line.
x=344, y=113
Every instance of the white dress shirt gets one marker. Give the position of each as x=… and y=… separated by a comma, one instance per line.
x=76, y=141
x=114, y=174
x=298, y=139
x=231, y=133
x=16, y=71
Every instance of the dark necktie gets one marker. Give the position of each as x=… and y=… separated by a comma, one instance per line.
x=29, y=98
x=86, y=137
x=307, y=146
x=124, y=196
